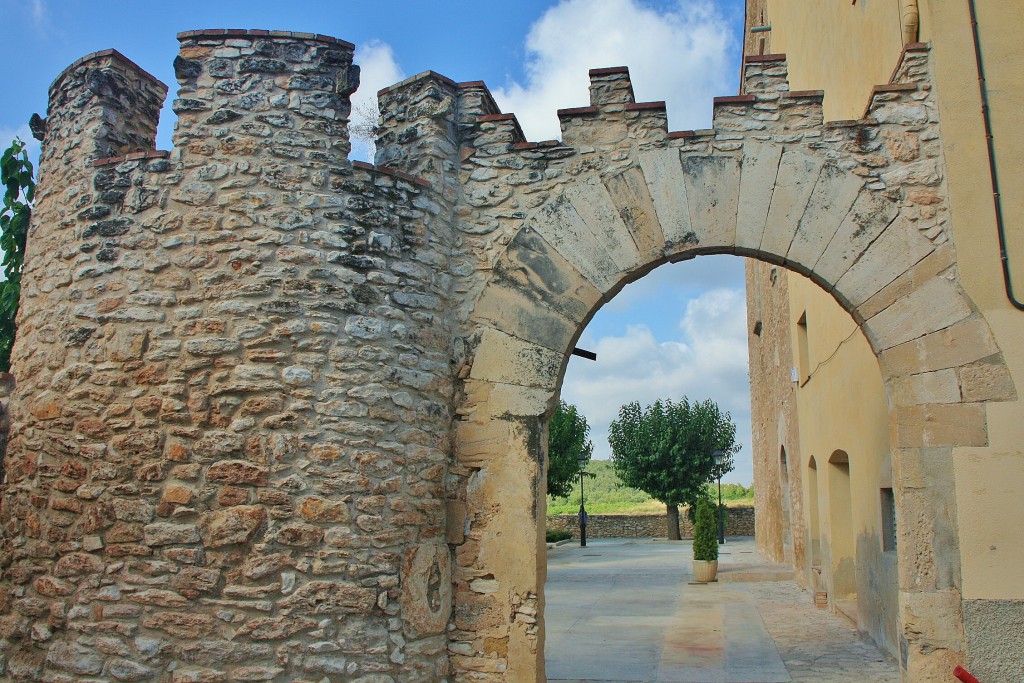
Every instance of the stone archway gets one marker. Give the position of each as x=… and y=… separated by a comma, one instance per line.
x=857, y=206
x=271, y=400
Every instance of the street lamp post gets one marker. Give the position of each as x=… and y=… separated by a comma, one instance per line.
x=582, y=460
x=719, y=457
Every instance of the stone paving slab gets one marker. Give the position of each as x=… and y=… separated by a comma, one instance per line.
x=624, y=611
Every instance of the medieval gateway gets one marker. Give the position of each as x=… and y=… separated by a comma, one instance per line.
x=282, y=416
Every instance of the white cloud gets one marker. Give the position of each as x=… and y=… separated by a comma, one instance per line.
x=38, y=13
x=680, y=56
x=378, y=69
x=708, y=359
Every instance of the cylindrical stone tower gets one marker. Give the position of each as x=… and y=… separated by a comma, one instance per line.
x=235, y=371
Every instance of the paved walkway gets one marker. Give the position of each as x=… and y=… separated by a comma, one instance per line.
x=624, y=610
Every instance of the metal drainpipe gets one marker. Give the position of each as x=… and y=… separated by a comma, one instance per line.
x=996, y=197
x=911, y=19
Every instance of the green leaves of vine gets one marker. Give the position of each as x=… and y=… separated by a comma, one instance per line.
x=19, y=190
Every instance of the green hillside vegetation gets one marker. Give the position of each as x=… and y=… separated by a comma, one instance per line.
x=605, y=494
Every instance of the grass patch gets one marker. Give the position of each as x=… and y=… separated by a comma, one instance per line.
x=606, y=494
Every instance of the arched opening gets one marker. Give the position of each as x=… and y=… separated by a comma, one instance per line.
x=787, y=513
x=590, y=638
x=814, y=514
x=841, y=540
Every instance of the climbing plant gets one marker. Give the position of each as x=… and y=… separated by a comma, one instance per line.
x=19, y=189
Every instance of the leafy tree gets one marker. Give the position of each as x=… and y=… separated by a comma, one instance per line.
x=666, y=450
x=19, y=189
x=567, y=439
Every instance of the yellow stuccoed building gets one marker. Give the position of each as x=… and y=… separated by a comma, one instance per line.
x=827, y=439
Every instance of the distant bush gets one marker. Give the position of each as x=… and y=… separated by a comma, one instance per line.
x=555, y=535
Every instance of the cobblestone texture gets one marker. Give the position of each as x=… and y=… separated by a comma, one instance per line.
x=816, y=645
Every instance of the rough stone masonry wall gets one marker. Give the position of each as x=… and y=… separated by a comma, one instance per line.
x=739, y=522
x=232, y=425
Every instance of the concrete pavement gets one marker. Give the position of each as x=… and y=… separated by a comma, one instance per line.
x=623, y=610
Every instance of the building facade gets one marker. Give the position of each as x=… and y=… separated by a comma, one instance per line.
x=828, y=466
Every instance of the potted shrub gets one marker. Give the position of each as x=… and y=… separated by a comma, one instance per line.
x=705, y=542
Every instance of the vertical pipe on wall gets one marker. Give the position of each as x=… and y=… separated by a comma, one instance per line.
x=910, y=20
x=993, y=173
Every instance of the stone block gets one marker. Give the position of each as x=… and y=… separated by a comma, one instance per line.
x=834, y=194
x=712, y=194
x=595, y=207
x=935, y=305
x=949, y=424
x=870, y=214
x=899, y=248
x=965, y=342
x=628, y=192
x=934, y=263
x=940, y=386
x=988, y=380
x=758, y=175
x=503, y=358
x=426, y=597
x=663, y=173
x=563, y=228
x=534, y=267
x=513, y=311
x=797, y=175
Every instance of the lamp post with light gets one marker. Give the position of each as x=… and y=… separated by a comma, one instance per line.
x=719, y=457
x=582, y=460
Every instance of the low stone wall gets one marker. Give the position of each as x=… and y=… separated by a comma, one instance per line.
x=740, y=522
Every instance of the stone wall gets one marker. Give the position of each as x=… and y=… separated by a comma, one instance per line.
x=739, y=522
x=230, y=446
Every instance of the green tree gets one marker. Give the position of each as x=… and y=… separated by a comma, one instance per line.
x=19, y=189
x=666, y=450
x=567, y=439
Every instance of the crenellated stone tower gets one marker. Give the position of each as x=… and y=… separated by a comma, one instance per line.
x=237, y=378
x=282, y=416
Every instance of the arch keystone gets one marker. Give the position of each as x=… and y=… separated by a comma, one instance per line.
x=712, y=192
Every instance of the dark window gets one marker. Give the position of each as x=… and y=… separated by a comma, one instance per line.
x=888, y=520
x=802, y=350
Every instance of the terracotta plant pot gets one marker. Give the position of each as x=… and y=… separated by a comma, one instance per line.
x=704, y=571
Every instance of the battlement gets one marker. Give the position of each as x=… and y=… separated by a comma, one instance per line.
x=277, y=92
x=106, y=101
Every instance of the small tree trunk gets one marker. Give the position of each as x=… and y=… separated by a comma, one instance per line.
x=673, y=522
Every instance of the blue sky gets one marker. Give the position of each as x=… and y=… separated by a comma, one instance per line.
x=679, y=330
